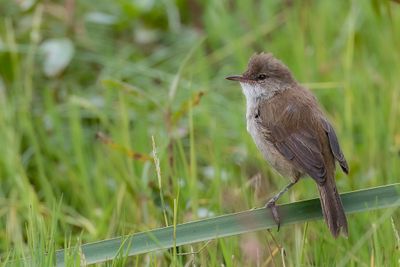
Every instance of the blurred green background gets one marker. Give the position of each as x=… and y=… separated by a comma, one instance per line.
x=133, y=69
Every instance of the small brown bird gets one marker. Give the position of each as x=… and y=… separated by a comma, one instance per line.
x=292, y=133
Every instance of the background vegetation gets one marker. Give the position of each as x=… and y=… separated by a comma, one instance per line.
x=136, y=69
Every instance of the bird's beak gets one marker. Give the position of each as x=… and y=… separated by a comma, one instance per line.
x=237, y=78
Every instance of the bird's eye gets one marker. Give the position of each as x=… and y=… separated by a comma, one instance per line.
x=261, y=76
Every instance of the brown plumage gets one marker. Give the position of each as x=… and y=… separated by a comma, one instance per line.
x=292, y=132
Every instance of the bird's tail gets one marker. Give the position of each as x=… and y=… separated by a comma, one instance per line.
x=332, y=208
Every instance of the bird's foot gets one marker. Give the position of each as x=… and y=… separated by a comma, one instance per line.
x=271, y=205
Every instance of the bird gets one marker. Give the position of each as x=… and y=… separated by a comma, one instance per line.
x=291, y=131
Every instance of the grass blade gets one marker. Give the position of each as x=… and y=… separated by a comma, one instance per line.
x=232, y=224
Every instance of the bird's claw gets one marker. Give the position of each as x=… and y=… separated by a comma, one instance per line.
x=271, y=205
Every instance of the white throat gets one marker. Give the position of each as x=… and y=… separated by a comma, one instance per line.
x=255, y=92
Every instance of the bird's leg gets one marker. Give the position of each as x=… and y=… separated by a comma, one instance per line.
x=271, y=203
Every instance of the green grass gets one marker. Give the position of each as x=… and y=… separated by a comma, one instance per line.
x=60, y=186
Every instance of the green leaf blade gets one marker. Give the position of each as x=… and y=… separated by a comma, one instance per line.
x=233, y=224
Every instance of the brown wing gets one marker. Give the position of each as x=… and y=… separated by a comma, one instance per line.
x=293, y=133
x=334, y=145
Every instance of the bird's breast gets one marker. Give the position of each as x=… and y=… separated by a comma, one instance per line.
x=267, y=149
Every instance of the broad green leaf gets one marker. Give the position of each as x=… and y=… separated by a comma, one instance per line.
x=231, y=224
